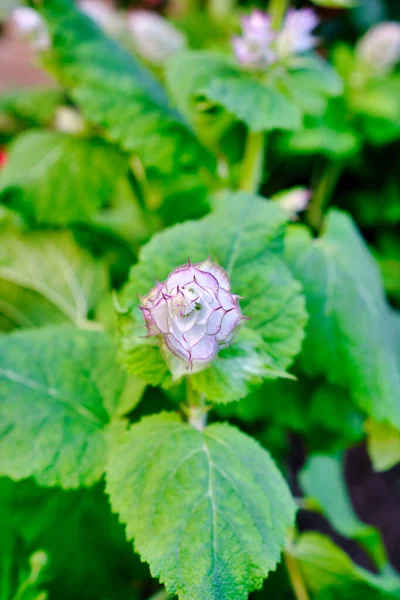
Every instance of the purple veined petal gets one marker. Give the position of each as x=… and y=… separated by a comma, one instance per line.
x=176, y=347
x=184, y=323
x=227, y=300
x=160, y=314
x=219, y=273
x=230, y=321
x=152, y=328
x=194, y=335
x=215, y=321
x=204, y=350
x=153, y=295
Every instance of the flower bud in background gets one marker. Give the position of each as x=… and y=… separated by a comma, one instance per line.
x=253, y=48
x=296, y=35
x=195, y=313
x=106, y=17
x=69, y=120
x=380, y=46
x=154, y=37
x=293, y=201
x=29, y=26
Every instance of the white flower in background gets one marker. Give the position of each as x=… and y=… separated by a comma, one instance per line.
x=106, y=17
x=155, y=38
x=293, y=201
x=253, y=48
x=260, y=46
x=380, y=46
x=69, y=120
x=29, y=26
x=296, y=35
x=194, y=313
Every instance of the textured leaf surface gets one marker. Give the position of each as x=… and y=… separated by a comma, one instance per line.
x=208, y=510
x=322, y=479
x=57, y=178
x=248, y=249
x=59, y=388
x=115, y=92
x=46, y=277
x=193, y=75
x=348, y=337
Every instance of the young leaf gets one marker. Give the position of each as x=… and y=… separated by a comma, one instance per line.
x=348, y=336
x=46, y=277
x=52, y=177
x=115, y=92
x=383, y=445
x=243, y=235
x=208, y=510
x=322, y=479
x=59, y=388
x=195, y=75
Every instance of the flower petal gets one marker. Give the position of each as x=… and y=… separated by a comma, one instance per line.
x=219, y=273
x=205, y=349
x=160, y=314
x=227, y=300
x=176, y=347
x=230, y=321
x=215, y=320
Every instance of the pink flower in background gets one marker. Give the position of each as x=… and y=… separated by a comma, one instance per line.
x=260, y=46
x=3, y=158
x=296, y=34
x=194, y=311
x=294, y=200
x=29, y=26
x=154, y=37
x=253, y=48
x=380, y=46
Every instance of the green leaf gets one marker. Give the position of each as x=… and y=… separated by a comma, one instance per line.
x=56, y=178
x=347, y=338
x=336, y=3
x=323, y=481
x=59, y=389
x=327, y=567
x=248, y=249
x=46, y=277
x=383, y=445
x=31, y=106
x=115, y=92
x=88, y=553
x=196, y=75
x=208, y=510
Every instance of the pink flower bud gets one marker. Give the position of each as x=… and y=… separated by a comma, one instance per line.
x=380, y=46
x=296, y=34
x=194, y=313
x=253, y=48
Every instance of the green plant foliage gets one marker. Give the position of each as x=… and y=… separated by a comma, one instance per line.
x=249, y=251
x=383, y=445
x=31, y=107
x=347, y=337
x=57, y=178
x=115, y=92
x=56, y=410
x=210, y=511
x=47, y=278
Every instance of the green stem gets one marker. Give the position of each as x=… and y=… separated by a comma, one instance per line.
x=253, y=162
x=277, y=10
x=296, y=578
x=196, y=408
x=323, y=194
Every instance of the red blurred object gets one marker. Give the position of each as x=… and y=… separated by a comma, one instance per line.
x=3, y=158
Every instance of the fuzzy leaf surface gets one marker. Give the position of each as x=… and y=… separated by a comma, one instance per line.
x=59, y=388
x=208, y=510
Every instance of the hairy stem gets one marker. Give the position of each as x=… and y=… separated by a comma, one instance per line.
x=253, y=162
x=323, y=194
x=296, y=578
x=277, y=10
x=196, y=409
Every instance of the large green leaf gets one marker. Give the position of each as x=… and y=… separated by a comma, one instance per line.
x=89, y=555
x=56, y=178
x=348, y=337
x=195, y=75
x=115, y=92
x=323, y=481
x=47, y=278
x=208, y=510
x=59, y=389
x=244, y=235
x=31, y=106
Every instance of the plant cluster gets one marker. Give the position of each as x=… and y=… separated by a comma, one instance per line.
x=177, y=301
